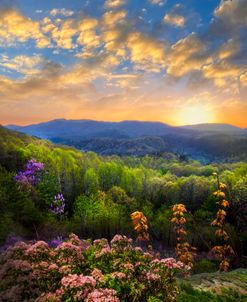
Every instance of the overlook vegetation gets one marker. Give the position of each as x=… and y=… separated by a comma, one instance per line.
x=95, y=195
x=204, y=142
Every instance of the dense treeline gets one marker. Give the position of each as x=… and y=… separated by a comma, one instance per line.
x=101, y=192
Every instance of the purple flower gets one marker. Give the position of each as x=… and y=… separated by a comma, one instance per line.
x=30, y=175
x=56, y=242
x=58, y=205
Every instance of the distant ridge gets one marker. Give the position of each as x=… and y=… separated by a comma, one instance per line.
x=214, y=127
x=205, y=142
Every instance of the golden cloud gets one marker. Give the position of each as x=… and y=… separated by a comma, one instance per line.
x=61, y=11
x=174, y=19
x=233, y=12
x=187, y=55
x=23, y=64
x=229, y=49
x=222, y=69
x=158, y=2
x=146, y=52
x=243, y=79
x=112, y=18
x=114, y=3
x=89, y=39
x=87, y=24
x=14, y=27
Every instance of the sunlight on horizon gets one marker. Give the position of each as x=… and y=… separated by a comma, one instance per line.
x=194, y=115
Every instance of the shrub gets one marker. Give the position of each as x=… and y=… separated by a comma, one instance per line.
x=204, y=266
x=78, y=270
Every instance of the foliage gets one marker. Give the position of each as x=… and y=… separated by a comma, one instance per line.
x=224, y=251
x=184, y=251
x=77, y=270
x=139, y=221
x=102, y=191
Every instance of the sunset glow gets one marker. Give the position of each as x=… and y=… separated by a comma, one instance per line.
x=194, y=115
x=175, y=62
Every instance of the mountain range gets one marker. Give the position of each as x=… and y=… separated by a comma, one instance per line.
x=206, y=142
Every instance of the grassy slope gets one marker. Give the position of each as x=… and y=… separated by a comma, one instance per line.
x=215, y=287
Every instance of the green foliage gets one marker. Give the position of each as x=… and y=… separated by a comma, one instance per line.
x=126, y=184
x=78, y=271
x=205, y=266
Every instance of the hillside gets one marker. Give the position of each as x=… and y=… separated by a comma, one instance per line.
x=214, y=287
x=48, y=191
x=205, y=142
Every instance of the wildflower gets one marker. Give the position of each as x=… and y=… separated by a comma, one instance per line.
x=73, y=280
x=56, y=241
x=97, y=275
x=58, y=205
x=102, y=295
x=30, y=175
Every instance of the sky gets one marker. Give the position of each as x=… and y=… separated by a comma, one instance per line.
x=178, y=62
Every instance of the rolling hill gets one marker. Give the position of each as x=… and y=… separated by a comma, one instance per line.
x=205, y=142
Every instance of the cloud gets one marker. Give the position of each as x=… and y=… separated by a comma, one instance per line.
x=229, y=49
x=145, y=52
x=129, y=81
x=62, y=34
x=87, y=24
x=61, y=11
x=186, y=55
x=114, y=3
x=158, y=2
x=112, y=18
x=14, y=27
x=243, y=79
x=232, y=12
x=89, y=39
x=225, y=75
x=174, y=19
x=23, y=64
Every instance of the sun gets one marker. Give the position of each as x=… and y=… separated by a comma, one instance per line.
x=194, y=115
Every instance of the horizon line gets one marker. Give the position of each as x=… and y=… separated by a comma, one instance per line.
x=120, y=121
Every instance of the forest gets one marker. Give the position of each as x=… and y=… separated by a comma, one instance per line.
x=49, y=191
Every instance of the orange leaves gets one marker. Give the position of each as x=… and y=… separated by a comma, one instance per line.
x=221, y=233
x=219, y=194
x=185, y=253
x=224, y=266
x=139, y=221
x=224, y=203
x=222, y=186
x=178, y=209
x=224, y=251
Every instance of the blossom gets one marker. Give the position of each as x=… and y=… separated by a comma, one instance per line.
x=30, y=175
x=56, y=241
x=97, y=274
x=58, y=205
x=102, y=295
x=73, y=281
x=118, y=275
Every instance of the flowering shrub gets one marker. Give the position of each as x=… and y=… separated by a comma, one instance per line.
x=184, y=251
x=30, y=175
x=77, y=270
x=58, y=205
x=224, y=251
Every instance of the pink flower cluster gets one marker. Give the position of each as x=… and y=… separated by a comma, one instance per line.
x=79, y=271
x=73, y=280
x=170, y=263
x=102, y=295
